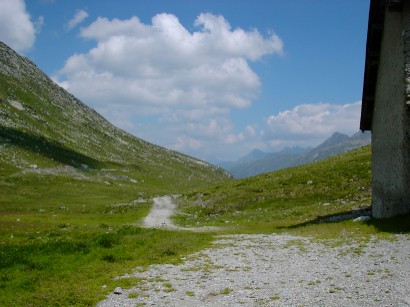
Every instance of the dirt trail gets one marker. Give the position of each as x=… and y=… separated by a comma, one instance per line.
x=160, y=216
x=162, y=209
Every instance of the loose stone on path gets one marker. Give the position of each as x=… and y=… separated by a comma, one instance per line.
x=278, y=270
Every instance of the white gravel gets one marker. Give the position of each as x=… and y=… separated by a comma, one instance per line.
x=162, y=209
x=277, y=270
x=160, y=216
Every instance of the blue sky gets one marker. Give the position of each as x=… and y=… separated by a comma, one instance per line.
x=214, y=79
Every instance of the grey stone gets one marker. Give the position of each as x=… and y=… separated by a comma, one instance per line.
x=362, y=218
x=278, y=270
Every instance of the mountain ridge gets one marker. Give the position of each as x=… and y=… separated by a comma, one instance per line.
x=337, y=143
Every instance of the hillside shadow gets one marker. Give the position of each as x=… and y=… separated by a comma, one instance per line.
x=399, y=224
x=49, y=149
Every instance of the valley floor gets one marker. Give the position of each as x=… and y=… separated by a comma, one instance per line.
x=277, y=270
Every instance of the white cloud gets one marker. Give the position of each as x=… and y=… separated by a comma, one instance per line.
x=164, y=64
x=78, y=18
x=307, y=124
x=38, y=24
x=185, y=81
x=16, y=28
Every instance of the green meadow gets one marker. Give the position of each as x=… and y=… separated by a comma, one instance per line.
x=63, y=239
x=314, y=199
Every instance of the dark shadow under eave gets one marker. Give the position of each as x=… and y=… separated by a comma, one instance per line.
x=399, y=224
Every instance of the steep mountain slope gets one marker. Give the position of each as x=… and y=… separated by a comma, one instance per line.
x=335, y=144
x=43, y=128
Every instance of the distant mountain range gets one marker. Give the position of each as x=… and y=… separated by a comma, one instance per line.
x=259, y=162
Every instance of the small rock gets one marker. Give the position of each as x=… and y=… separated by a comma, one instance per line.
x=118, y=290
x=362, y=218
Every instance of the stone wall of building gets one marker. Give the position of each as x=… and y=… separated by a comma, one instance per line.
x=391, y=122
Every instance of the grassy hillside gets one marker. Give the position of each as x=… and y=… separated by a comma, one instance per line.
x=46, y=130
x=284, y=198
x=317, y=199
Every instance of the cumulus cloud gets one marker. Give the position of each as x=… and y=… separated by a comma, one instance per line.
x=78, y=18
x=165, y=64
x=16, y=28
x=305, y=124
x=178, y=77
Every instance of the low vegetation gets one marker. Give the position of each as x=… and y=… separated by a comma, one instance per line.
x=297, y=200
x=63, y=240
x=283, y=198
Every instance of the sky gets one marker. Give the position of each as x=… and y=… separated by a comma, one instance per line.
x=214, y=79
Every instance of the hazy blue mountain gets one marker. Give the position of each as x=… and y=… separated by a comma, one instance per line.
x=269, y=163
x=335, y=144
x=255, y=154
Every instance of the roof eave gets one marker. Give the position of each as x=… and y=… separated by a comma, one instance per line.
x=373, y=44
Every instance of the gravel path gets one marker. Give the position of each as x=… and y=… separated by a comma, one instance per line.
x=277, y=270
x=160, y=216
x=162, y=209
